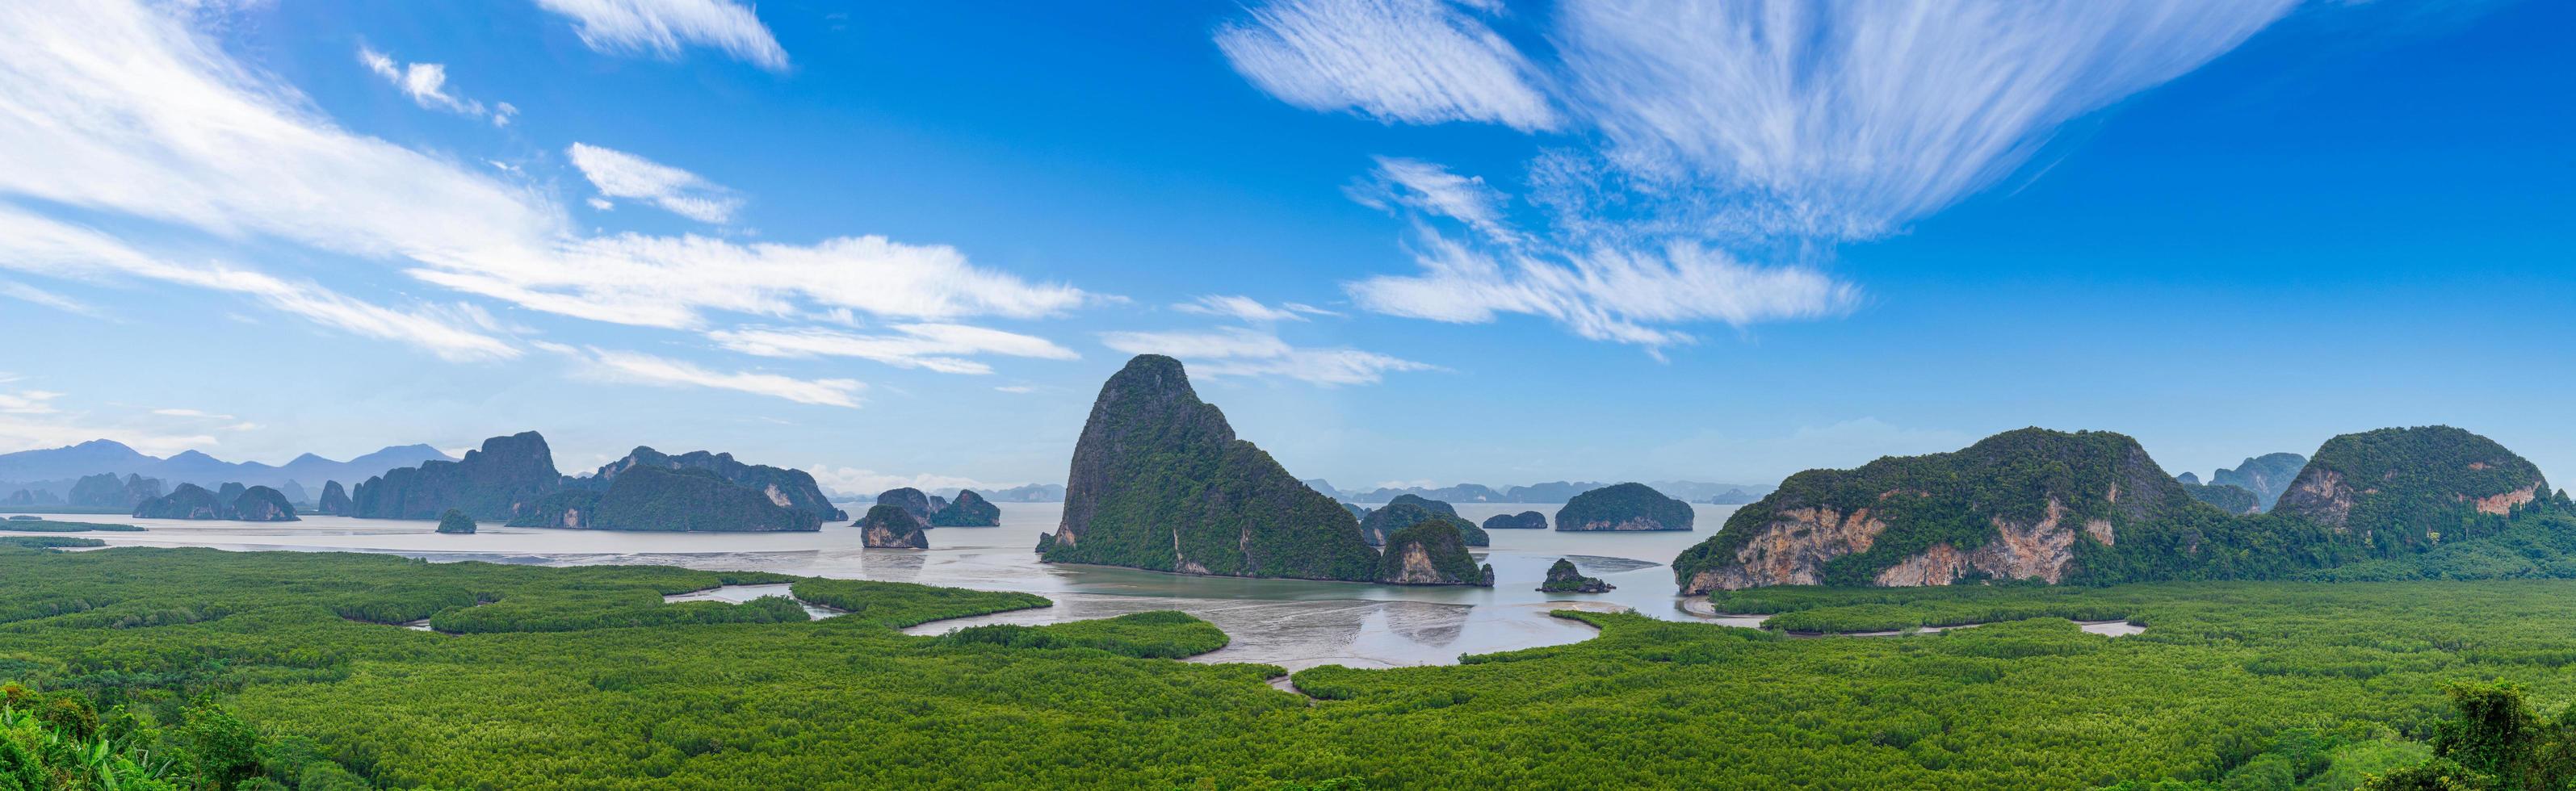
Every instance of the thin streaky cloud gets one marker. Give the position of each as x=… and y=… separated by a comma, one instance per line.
x=426, y=84
x=1241, y=352
x=628, y=367
x=618, y=174
x=1410, y=61
x=1247, y=309
x=936, y=347
x=662, y=28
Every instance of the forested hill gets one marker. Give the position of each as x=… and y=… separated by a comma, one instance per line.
x=2092, y=507
x=1160, y=482
x=2399, y=486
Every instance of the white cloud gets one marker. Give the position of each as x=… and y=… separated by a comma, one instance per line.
x=662, y=27
x=667, y=281
x=33, y=295
x=1413, y=61
x=1236, y=351
x=28, y=402
x=426, y=84
x=1853, y=118
x=637, y=368
x=618, y=174
x=35, y=244
x=127, y=114
x=932, y=346
x=1609, y=293
x=1711, y=130
x=1432, y=189
x=1249, y=309
x=1016, y=389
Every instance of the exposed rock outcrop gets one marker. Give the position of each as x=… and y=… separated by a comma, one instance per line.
x=508, y=477
x=1432, y=552
x=2397, y=486
x=105, y=490
x=263, y=504
x=891, y=527
x=1622, y=508
x=667, y=499
x=1159, y=481
x=785, y=488
x=1525, y=520
x=189, y=501
x=912, y=500
x=968, y=510
x=335, y=500
x=1563, y=578
x=2018, y=506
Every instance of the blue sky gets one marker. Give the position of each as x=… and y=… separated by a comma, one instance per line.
x=1398, y=240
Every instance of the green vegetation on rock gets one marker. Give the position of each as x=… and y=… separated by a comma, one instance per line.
x=1159, y=481
x=968, y=510
x=455, y=522
x=499, y=482
x=1623, y=507
x=890, y=526
x=1431, y=552
x=2091, y=507
x=1563, y=578
x=2226, y=497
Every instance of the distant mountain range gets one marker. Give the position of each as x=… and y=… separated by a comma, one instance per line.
x=56, y=469
x=1550, y=492
x=1024, y=493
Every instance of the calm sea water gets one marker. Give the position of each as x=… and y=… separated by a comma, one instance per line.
x=1296, y=624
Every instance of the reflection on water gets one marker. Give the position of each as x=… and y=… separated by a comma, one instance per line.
x=1293, y=623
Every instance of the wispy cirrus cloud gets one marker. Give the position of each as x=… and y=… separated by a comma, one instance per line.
x=936, y=347
x=1410, y=61
x=426, y=84
x=610, y=365
x=1251, y=310
x=181, y=141
x=1236, y=351
x=1707, y=132
x=618, y=174
x=661, y=28
x=40, y=245
x=37, y=296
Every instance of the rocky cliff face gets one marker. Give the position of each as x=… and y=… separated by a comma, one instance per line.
x=891, y=527
x=1432, y=552
x=1563, y=578
x=1525, y=520
x=783, y=487
x=107, y=491
x=968, y=510
x=2395, y=486
x=263, y=504
x=335, y=500
x=506, y=478
x=189, y=501
x=1159, y=481
x=667, y=499
x=2021, y=505
x=1625, y=507
x=912, y=500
